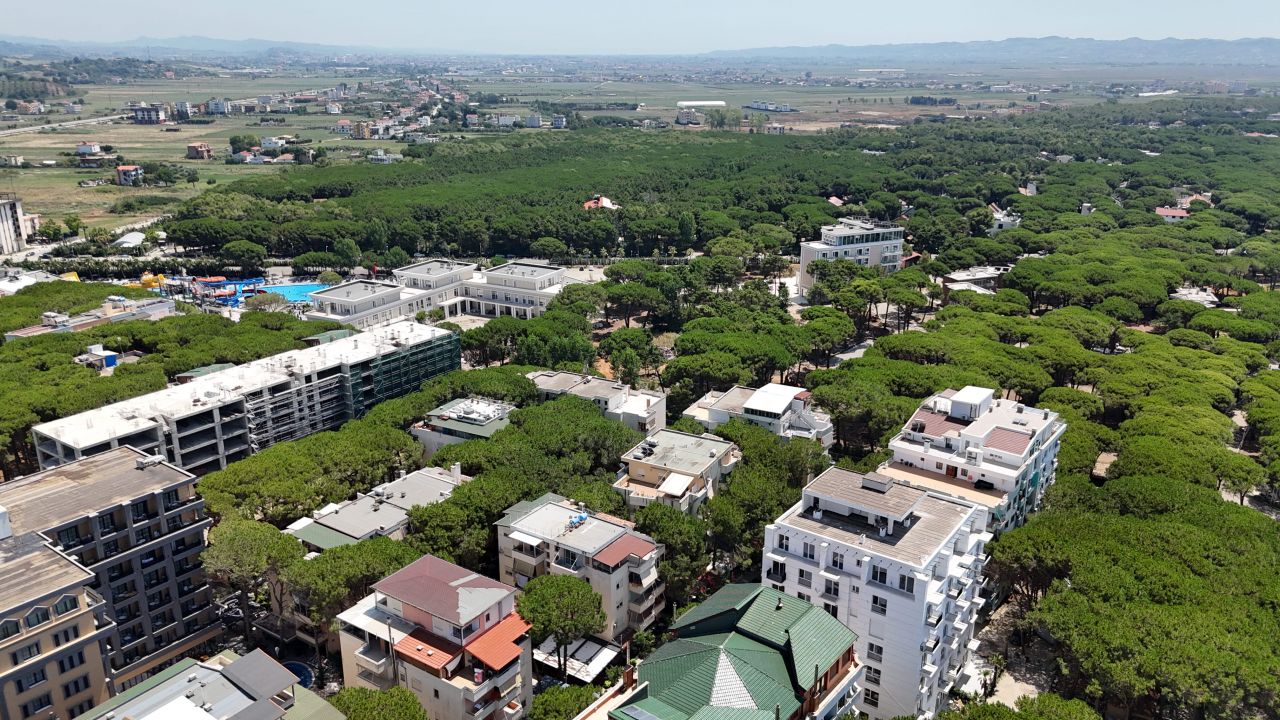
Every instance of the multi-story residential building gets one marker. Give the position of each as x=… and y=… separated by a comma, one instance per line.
x=901, y=567
x=116, y=308
x=383, y=511
x=643, y=410
x=981, y=279
x=199, y=151
x=127, y=175
x=519, y=289
x=997, y=453
x=13, y=233
x=675, y=468
x=149, y=115
x=361, y=130
x=366, y=303
x=215, y=419
x=747, y=652
x=226, y=686
x=861, y=240
x=559, y=122
x=1002, y=219
x=53, y=630
x=215, y=106
x=783, y=410
x=552, y=535
x=137, y=525
x=473, y=418
x=533, y=120
x=451, y=637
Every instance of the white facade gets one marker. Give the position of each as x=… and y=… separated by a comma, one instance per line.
x=864, y=241
x=783, y=410
x=366, y=303
x=1003, y=220
x=998, y=453
x=901, y=567
x=642, y=410
x=13, y=232
x=552, y=535
x=676, y=469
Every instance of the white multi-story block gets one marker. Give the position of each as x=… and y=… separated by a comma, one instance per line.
x=864, y=241
x=451, y=637
x=552, y=535
x=638, y=409
x=783, y=410
x=675, y=468
x=13, y=232
x=998, y=453
x=901, y=567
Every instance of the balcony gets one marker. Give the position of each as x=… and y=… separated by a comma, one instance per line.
x=512, y=710
x=377, y=681
x=373, y=658
x=776, y=574
x=472, y=690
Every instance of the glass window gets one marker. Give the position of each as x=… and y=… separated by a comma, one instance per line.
x=9, y=628
x=24, y=654
x=32, y=707
x=906, y=583
x=784, y=542
x=30, y=680
x=879, y=605
x=875, y=652
x=837, y=561
x=873, y=676
x=879, y=575
x=810, y=551
x=832, y=610
x=832, y=588
x=67, y=604
x=37, y=616
x=871, y=698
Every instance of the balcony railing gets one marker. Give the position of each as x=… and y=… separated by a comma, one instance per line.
x=776, y=575
x=372, y=658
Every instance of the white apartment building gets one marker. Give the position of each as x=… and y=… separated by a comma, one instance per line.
x=867, y=242
x=675, y=468
x=220, y=417
x=901, y=567
x=553, y=535
x=1003, y=220
x=783, y=410
x=13, y=231
x=643, y=410
x=518, y=289
x=472, y=418
x=449, y=636
x=997, y=453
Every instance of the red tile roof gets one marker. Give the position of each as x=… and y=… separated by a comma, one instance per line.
x=936, y=424
x=625, y=546
x=1171, y=212
x=497, y=647
x=1007, y=440
x=426, y=650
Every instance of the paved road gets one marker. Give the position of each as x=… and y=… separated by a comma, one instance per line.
x=69, y=123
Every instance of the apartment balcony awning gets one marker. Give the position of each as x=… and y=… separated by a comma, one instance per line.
x=525, y=538
x=676, y=484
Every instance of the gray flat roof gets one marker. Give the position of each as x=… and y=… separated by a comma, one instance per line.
x=523, y=269
x=68, y=492
x=24, y=558
x=895, y=501
x=733, y=399
x=550, y=521
x=477, y=416
x=936, y=518
x=435, y=266
x=682, y=452
x=421, y=487
x=362, y=516
x=355, y=290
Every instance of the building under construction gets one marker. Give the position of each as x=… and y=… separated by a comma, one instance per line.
x=223, y=416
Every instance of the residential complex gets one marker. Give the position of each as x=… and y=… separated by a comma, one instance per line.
x=675, y=468
x=997, y=453
x=748, y=652
x=226, y=686
x=643, y=410
x=552, y=535
x=861, y=240
x=115, y=309
x=135, y=524
x=901, y=567
x=223, y=416
x=383, y=511
x=450, y=636
x=461, y=420
x=13, y=231
x=517, y=289
x=783, y=410
x=1002, y=219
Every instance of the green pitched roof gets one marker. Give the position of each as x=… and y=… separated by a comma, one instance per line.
x=322, y=537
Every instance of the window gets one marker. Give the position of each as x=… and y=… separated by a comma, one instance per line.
x=831, y=588
x=873, y=676
x=832, y=610
x=69, y=537
x=32, y=707
x=106, y=524
x=9, y=628
x=78, y=685
x=30, y=680
x=837, y=561
x=806, y=578
x=879, y=575
x=142, y=536
x=80, y=709
x=810, y=551
x=71, y=662
x=875, y=652
x=140, y=510
x=66, y=635
x=784, y=543
x=879, y=605
x=906, y=583
x=24, y=654
x=804, y=597
x=871, y=698
x=67, y=604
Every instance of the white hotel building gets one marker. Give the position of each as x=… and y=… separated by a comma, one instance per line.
x=864, y=241
x=901, y=567
x=518, y=289
x=997, y=453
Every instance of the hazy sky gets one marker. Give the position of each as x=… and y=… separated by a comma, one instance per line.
x=635, y=26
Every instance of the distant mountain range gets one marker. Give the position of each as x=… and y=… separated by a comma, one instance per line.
x=176, y=48
x=1033, y=51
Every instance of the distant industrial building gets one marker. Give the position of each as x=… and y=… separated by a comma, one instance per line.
x=221, y=417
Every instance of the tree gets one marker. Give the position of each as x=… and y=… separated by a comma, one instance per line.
x=562, y=702
x=548, y=248
x=266, y=302
x=74, y=224
x=394, y=703
x=244, y=553
x=561, y=607
x=50, y=231
x=241, y=143
x=248, y=256
x=329, y=277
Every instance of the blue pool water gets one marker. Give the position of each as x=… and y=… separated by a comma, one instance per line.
x=295, y=293
x=301, y=671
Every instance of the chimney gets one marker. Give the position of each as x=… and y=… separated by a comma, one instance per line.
x=6, y=529
x=455, y=470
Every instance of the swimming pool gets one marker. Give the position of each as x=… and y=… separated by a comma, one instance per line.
x=297, y=292
x=300, y=670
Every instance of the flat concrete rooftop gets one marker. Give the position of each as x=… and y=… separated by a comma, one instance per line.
x=681, y=452
x=523, y=269
x=435, y=267
x=356, y=290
